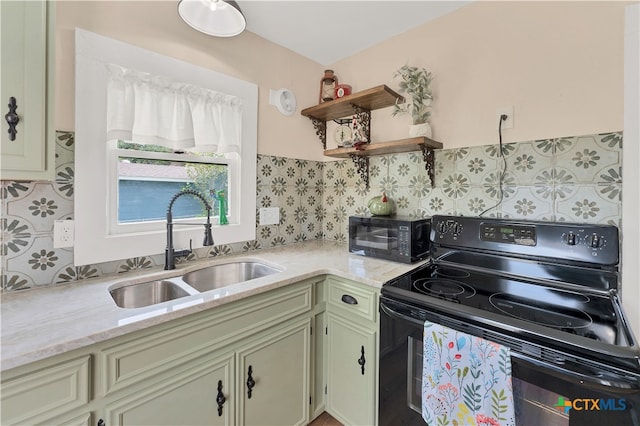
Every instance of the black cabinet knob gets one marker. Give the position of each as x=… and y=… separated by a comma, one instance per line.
x=250, y=382
x=12, y=118
x=362, y=360
x=220, y=399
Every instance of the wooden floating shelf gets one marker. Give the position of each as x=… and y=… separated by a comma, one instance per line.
x=371, y=99
x=360, y=105
x=383, y=148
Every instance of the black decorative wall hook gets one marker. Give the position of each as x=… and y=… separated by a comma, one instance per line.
x=12, y=118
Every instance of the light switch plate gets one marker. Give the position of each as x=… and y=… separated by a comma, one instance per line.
x=269, y=215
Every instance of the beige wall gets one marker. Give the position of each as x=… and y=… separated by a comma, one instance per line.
x=560, y=64
x=156, y=26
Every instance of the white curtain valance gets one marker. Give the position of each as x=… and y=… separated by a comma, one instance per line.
x=150, y=109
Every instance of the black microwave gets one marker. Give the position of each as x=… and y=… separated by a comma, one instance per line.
x=398, y=238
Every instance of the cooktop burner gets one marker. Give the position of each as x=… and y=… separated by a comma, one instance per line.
x=444, y=288
x=539, y=312
x=449, y=273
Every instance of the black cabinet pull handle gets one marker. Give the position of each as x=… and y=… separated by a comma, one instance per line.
x=12, y=118
x=349, y=300
x=101, y=422
x=220, y=399
x=250, y=382
x=362, y=361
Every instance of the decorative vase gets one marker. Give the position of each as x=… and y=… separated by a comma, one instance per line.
x=380, y=205
x=423, y=129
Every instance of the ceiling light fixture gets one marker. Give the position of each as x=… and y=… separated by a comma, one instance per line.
x=218, y=18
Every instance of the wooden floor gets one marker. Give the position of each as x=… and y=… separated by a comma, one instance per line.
x=325, y=419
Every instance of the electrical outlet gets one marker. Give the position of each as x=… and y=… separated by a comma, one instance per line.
x=508, y=111
x=63, y=233
x=269, y=215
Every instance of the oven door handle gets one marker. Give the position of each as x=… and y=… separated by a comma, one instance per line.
x=586, y=378
x=583, y=377
x=397, y=315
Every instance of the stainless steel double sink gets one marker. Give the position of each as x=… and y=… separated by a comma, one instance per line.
x=194, y=282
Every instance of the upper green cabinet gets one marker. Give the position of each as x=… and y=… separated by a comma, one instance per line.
x=27, y=77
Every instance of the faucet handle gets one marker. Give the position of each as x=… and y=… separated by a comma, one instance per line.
x=185, y=252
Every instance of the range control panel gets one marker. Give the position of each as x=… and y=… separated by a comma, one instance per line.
x=510, y=234
x=568, y=241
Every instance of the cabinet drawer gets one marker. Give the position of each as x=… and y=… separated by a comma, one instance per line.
x=147, y=355
x=52, y=391
x=352, y=299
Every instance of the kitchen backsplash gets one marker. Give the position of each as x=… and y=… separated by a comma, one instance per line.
x=573, y=179
x=576, y=179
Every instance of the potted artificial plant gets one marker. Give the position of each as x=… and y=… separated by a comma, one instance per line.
x=415, y=82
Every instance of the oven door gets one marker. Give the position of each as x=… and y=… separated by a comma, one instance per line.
x=539, y=388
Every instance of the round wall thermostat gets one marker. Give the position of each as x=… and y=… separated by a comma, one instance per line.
x=284, y=100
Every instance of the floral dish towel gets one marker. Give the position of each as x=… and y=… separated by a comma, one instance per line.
x=466, y=380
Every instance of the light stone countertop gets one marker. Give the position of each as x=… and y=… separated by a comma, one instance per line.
x=40, y=323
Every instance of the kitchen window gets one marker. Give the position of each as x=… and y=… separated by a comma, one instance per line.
x=148, y=176
x=126, y=172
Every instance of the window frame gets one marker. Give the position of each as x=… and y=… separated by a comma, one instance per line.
x=96, y=240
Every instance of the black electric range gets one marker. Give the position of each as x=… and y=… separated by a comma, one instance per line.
x=551, y=283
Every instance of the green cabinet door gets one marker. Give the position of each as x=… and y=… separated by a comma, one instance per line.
x=190, y=397
x=27, y=75
x=273, y=377
x=351, y=371
x=57, y=393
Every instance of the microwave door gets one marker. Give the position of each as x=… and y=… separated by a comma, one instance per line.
x=376, y=238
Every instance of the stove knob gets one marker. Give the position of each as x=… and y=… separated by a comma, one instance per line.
x=457, y=228
x=595, y=240
x=442, y=227
x=571, y=239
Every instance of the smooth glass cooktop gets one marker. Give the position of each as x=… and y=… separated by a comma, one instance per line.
x=586, y=314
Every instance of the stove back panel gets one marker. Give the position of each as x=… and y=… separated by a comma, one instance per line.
x=562, y=242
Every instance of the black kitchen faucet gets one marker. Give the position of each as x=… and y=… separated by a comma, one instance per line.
x=169, y=253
